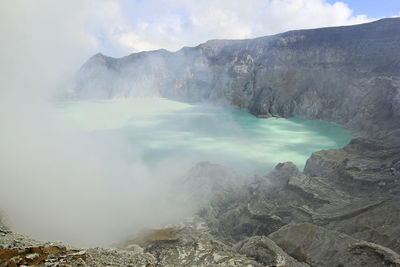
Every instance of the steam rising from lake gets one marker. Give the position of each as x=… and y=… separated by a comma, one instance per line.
x=159, y=132
x=91, y=173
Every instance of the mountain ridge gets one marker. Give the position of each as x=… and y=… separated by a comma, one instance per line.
x=382, y=20
x=349, y=75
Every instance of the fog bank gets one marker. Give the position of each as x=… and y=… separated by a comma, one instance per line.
x=57, y=184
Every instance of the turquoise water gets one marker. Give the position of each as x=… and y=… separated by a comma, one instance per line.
x=160, y=132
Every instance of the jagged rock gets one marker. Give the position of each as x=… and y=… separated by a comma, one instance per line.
x=320, y=195
x=20, y=250
x=362, y=166
x=263, y=205
x=192, y=245
x=265, y=250
x=379, y=224
x=215, y=188
x=321, y=247
x=360, y=186
x=243, y=211
x=388, y=256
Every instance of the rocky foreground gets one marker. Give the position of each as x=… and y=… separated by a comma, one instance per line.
x=343, y=210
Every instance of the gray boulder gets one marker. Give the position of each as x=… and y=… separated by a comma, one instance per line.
x=264, y=250
x=321, y=247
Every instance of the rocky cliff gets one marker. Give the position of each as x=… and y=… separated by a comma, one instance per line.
x=348, y=75
x=343, y=210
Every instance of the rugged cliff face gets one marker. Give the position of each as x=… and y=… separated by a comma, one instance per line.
x=348, y=75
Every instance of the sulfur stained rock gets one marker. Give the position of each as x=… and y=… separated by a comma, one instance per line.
x=6, y=254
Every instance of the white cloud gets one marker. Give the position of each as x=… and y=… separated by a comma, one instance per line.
x=171, y=24
x=122, y=27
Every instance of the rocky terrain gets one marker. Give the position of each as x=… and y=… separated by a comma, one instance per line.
x=20, y=250
x=342, y=210
x=347, y=75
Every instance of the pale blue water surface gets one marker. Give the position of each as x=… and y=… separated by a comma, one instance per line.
x=156, y=131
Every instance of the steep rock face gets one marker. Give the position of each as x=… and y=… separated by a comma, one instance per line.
x=348, y=75
x=320, y=247
x=354, y=190
x=362, y=184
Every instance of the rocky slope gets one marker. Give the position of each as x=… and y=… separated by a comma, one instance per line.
x=343, y=210
x=20, y=250
x=348, y=75
x=188, y=244
x=332, y=214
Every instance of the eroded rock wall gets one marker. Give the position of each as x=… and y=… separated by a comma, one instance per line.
x=348, y=75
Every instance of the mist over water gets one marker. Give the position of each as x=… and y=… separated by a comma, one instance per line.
x=159, y=133
x=90, y=173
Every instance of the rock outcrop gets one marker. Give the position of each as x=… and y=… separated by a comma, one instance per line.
x=267, y=252
x=321, y=247
x=342, y=210
x=348, y=75
x=351, y=193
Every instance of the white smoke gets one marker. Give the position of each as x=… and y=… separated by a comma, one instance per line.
x=57, y=184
